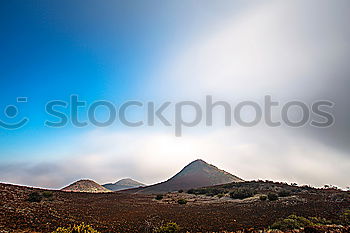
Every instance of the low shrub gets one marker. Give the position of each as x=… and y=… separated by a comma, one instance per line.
x=182, y=201
x=319, y=221
x=214, y=191
x=272, y=197
x=35, y=197
x=228, y=186
x=284, y=193
x=292, y=222
x=263, y=198
x=220, y=195
x=205, y=191
x=339, y=197
x=345, y=217
x=170, y=227
x=242, y=193
x=180, y=191
x=190, y=191
x=47, y=194
x=82, y=228
x=159, y=197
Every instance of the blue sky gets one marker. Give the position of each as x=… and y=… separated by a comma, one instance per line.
x=51, y=50
x=171, y=50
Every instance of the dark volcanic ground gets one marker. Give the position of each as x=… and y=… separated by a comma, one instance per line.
x=122, y=212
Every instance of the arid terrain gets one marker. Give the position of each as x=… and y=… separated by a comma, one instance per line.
x=85, y=186
x=125, y=212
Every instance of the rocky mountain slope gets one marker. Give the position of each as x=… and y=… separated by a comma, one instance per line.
x=87, y=186
x=196, y=174
x=123, y=184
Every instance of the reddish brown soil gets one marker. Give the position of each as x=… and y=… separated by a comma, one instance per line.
x=122, y=212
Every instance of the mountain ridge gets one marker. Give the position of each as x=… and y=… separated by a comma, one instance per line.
x=85, y=185
x=126, y=183
x=196, y=174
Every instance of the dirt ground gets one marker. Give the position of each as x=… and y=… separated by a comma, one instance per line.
x=122, y=212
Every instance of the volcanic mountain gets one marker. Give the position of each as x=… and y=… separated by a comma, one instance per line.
x=123, y=184
x=196, y=174
x=87, y=186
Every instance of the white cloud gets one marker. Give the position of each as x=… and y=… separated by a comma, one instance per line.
x=268, y=49
x=152, y=157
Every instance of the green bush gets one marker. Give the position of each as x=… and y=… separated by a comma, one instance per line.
x=345, y=217
x=319, y=221
x=292, y=222
x=47, y=194
x=180, y=191
x=220, y=195
x=214, y=191
x=82, y=228
x=284, y=193
x=35, y=197
x=190, y=191
x=272, y=197
x=182, y=201
x=242, y=193
x=206, y=191
x=159, y=197
x=170, y=227
x=263, y=198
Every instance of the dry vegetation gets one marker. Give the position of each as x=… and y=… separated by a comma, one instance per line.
x=296, y=207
